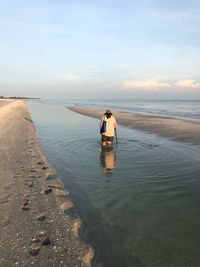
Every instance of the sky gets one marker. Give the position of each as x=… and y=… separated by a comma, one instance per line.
x=105, y=49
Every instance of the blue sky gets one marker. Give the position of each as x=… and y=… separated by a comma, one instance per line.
x=100, y=49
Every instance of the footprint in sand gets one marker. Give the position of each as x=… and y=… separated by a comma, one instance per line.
x=40, y=162
x=34, y=248
x=41, y=239
x=26, y=205
x=44, y=168
x=32, y=170
x=41, y=216
x=28, y=183
x=47, y=191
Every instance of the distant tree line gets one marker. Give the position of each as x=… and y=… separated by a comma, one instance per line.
x=18, y=97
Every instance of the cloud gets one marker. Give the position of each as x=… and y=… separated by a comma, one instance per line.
x=145, y=85
x=154, y=85
x=187, y=84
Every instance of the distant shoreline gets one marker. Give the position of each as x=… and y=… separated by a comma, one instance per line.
x=174, y=128
x=17, y=97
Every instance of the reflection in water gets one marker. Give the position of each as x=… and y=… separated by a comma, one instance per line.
x=108, y=159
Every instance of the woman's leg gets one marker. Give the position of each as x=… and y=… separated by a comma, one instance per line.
x=110, y=140
x=104, y=140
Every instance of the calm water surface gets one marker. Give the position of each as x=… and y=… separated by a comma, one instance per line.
x=139, y=202
x=186, y=109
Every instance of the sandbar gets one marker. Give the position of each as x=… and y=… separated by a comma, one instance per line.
x=173, y=128
x=35, y=227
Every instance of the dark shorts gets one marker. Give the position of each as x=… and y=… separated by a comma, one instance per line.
x=107, y=138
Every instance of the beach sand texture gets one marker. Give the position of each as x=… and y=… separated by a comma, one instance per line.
x=168, y=127
x=35, y=229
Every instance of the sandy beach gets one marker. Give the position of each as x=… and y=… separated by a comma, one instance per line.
x=173, y=128
x=35, y=228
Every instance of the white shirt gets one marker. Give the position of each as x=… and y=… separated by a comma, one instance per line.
x=110, y=123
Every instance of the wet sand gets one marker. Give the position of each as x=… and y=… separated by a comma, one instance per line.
x=168, y=127
x=35, y=227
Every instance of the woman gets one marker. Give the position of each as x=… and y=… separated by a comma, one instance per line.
x=111, y=125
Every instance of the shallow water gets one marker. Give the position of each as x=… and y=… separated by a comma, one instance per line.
x=139, y=202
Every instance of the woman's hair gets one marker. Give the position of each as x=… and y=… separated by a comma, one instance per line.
x=108, y=115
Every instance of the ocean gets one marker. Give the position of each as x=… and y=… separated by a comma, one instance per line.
x=186, y=109
x=139, y=201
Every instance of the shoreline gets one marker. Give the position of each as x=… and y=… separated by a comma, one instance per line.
x=35, y=228
x=173, y=128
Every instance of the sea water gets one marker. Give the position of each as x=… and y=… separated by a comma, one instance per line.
x=139, y=202
x=186, y=109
